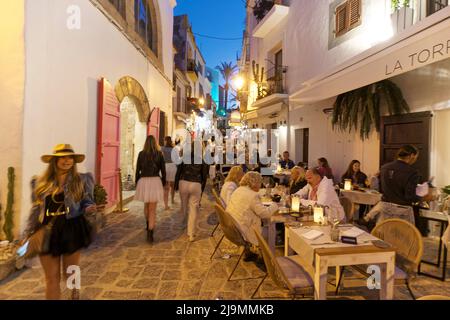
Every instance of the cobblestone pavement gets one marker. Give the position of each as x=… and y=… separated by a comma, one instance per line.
x=120, y=264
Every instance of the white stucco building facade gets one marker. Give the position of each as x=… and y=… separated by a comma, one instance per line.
x=56, y=52
x=320, y=66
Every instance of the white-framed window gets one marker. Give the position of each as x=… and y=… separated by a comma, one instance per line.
x=347, y=16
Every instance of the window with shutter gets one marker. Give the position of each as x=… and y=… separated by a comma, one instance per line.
x=348, y=16
x=354, y=7
x=341, y=19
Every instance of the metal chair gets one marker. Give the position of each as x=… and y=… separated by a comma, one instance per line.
x=407, y=242
x=230, y=231
x=286, y=272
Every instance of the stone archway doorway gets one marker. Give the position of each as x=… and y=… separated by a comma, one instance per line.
x=134, y=115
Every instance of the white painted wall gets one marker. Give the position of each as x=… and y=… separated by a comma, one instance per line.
x=63, y=67
x=307, y=36
x=340, y=148
x=12, y=80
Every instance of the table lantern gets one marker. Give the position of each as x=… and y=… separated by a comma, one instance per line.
x=295, y=204
x=348, y=184
x=318, y=214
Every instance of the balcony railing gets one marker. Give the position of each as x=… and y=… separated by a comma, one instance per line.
x=263, y=7
x=275, y=82
x=192, y=67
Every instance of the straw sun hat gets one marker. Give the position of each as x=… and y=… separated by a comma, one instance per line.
x=63, y=150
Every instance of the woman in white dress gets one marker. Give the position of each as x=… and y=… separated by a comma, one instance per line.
x=171, y=170
x=231, y=183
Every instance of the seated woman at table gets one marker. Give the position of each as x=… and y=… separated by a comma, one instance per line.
x=231, y=183
x=298, y=180
x=320, y=190
x=246, y=208
x=355, y=174
x=324, y=168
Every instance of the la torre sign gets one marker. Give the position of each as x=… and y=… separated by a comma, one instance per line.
x=419, y=57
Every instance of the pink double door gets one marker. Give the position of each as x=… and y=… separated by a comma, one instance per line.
x=108, y=139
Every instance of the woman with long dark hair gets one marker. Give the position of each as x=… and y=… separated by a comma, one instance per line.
x=171, y=170
x=150, y=179
x=61, y=196
x=354, y=173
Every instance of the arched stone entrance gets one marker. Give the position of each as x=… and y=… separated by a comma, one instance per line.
x=134, y=115
x=130, y=87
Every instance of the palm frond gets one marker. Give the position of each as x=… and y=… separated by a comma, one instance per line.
x=361, y=108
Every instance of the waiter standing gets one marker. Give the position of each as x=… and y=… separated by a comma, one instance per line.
x=398, y=184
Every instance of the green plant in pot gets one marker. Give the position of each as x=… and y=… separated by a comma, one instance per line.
x=100, y=196
x=361, y=108
x=446, y=190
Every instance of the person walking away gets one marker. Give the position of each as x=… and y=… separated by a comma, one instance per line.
x=190, y=181
x=171, y=170
x=61, y=197
x=150, y=179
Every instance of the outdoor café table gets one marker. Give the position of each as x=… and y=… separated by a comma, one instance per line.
x=443, y=220
x=319, y=254
x=367, y=197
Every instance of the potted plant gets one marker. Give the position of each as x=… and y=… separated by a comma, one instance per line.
x=402, y=16
x=360, y=109
x=101, y=199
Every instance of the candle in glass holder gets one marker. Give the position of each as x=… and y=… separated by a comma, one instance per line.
x=295, y=204
x=318, y=214
x=348, y=184
x=279, y=168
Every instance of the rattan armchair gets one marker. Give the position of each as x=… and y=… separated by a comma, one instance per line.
x=286, y=272
x=407, y=242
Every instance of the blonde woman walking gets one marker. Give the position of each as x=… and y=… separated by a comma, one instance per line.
x=62, y=196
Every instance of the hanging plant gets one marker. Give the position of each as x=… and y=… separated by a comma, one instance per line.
x=360, y=108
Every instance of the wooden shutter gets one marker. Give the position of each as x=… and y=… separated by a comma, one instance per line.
x=341, y=19
x=354, y=8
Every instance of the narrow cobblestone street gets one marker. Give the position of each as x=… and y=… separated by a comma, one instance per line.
x=120, y=264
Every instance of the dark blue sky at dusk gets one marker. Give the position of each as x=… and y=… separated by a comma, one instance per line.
x=217, y=18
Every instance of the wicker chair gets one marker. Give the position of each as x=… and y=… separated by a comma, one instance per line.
x=230, y=231
x=286, y=272
x=408, y=245
x=219, y=202
x=349, y=208
x=434, y=297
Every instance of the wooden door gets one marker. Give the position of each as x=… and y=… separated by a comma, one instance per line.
x=413, y=128
x=108, y=141
x=153, y=124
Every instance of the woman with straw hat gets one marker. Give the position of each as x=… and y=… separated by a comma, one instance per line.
x=61, y=196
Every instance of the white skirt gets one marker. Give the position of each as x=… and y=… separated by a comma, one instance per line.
x=171, y=171
x=149, y=189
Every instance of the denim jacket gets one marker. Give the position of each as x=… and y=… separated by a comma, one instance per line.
x=74, y=209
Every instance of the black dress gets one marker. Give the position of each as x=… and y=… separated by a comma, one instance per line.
x=67, y=235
